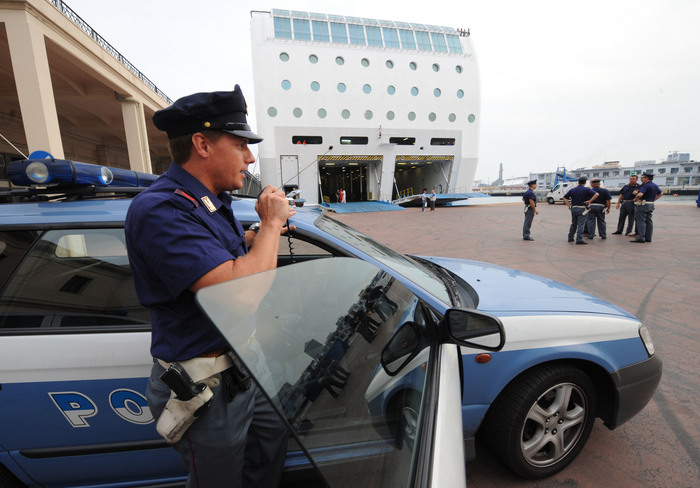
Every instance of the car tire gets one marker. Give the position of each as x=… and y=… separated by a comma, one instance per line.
x=550, y=201
x=540, y=423
x=407, y=411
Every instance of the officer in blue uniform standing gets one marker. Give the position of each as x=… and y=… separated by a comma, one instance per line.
x=644, y=198
x=530, y=201
x=598, y=210
x=625, y=203
x=577, y=199
x=182, y=236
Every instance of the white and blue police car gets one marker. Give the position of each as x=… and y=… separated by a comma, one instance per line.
x=372, y=357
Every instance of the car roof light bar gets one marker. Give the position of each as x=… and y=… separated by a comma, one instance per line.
x=56, y=172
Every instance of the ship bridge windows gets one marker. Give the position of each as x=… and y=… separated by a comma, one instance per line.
x=307, y=140
x=339, y=33
x=391, y=37
x=320, y=30
x=357, y=34
x=301, y=29
x=283, y=28
x=403, y=141
x=442, y=141
x=423, y=40
x=439, y=44
x=407, y=40
x=354, y=140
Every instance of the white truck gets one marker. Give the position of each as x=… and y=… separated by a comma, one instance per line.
x=557, y=193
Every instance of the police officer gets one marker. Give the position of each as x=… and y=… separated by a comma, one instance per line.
x=644, y=198
x=598, y=210
x=530, y=201
x=577, y=199
x=181, y=236
x=625, y=203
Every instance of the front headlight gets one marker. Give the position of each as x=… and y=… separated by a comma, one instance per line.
x=646, y=339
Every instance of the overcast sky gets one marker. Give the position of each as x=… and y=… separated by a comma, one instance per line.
x=562, y=83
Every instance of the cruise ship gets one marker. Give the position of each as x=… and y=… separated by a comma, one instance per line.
x=378, y=108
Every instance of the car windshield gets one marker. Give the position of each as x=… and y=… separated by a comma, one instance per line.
x=403, y=265
x=314, y=344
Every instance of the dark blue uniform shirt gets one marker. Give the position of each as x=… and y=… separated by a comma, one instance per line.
x=649, y=191
x=174, y=238
x=628, y=191
x=529, y=195
x=578, y=195
x=603, y=195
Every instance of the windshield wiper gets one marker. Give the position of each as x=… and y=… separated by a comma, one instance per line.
x=445, y=276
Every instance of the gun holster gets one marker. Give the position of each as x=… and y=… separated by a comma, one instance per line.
x=190, y=383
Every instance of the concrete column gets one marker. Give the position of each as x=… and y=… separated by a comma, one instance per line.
x=136, y=136
x=33, y=80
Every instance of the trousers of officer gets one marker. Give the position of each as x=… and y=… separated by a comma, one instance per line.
x=529, y=216
x=645, y=225
x=627, y=211
x=241, y=443
x=578, y=222
x=596, y=215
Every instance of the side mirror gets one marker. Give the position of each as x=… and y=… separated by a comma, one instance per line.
x=475, y=329
x=401, y=348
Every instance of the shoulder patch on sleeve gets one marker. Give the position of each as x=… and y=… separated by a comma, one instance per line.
x=181, y=193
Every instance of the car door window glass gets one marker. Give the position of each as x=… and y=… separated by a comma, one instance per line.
x=72, y=278
x=312, y=334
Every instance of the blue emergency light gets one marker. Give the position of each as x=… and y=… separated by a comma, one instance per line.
x=54, y=172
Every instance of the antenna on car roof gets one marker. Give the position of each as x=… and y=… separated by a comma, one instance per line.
x=330, y=148
x=15, y=147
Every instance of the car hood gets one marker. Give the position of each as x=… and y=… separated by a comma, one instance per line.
x=504, y=290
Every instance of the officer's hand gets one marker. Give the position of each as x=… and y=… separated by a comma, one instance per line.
x=272, y=207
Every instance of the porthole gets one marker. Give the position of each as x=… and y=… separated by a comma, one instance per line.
x=322, y=113
x=339, y=61
x=411, y=116
x=368, y=114
x=345, y=113
x=313, y=59
x=284, y=57
x=389, y=64
x=414, y=91
x=297, y=112
x=272, y=111
x=460, y=94
x=391, y=89
x=413, y=65
x=315, y=86
x=471, y=118
x=432, y=116
x=452, y=117
x=437, y=92
x=365, y=62
x=286, y=84
x=367, y=89
x=436, y=67
x=390, y=115
x=458, y=69
x=341, y=87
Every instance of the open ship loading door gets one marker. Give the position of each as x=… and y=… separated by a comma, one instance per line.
x=413, y=173
x=359, y=176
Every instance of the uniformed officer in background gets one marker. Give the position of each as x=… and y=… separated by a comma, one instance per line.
x=625, y=203
x=182, y=236
x=644, y=198
x=599, y=208
x=530, y=201
x=577, y=199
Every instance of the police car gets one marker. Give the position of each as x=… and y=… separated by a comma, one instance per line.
x=372, y=357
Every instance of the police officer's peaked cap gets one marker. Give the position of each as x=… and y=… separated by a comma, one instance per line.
x=582, y=179
x=595, y=180
x=222, y=110
x=531, y=182
x=648, y=175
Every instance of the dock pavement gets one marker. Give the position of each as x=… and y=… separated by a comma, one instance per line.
x=659, y=282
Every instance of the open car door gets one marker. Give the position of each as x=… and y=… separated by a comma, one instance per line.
x=352, y=361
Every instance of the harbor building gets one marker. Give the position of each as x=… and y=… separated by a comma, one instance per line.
x=68, y=92
x=676, y=172
x=378, y=108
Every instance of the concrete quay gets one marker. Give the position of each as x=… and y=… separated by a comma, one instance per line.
x=659, y=282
